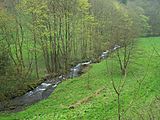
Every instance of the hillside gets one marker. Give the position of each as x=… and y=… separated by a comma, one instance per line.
x=92, y=97
x=41, y=39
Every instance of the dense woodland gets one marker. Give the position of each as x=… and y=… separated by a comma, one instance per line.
x=63, y=32
x=45, y=38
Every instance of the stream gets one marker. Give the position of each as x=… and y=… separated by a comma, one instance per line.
x=44, y=90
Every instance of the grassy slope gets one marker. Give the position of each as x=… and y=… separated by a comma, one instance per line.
x=91, y=104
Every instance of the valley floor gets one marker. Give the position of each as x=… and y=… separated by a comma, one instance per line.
x=92, y=97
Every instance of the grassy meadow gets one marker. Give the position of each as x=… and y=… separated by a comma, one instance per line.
x=92, y=97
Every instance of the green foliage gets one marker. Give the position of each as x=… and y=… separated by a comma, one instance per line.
x=123, y=1
x=4, y=59
x=103, y=105
x=48, y=36
x=151, y=10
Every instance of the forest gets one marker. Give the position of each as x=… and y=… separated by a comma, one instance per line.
x=79, y=59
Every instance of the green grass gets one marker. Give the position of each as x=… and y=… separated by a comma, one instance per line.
x=103, y=105
x=12, y=85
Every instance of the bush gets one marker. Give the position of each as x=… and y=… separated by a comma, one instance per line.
x=5, y=62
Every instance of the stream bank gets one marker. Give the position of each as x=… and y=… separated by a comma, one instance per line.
x=46, y=88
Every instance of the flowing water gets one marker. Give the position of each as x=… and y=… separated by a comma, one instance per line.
x=41, y=92
x=44, y=90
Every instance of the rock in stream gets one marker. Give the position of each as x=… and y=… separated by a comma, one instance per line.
x=44, y=90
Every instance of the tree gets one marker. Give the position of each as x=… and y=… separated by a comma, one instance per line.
x=151, y=10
